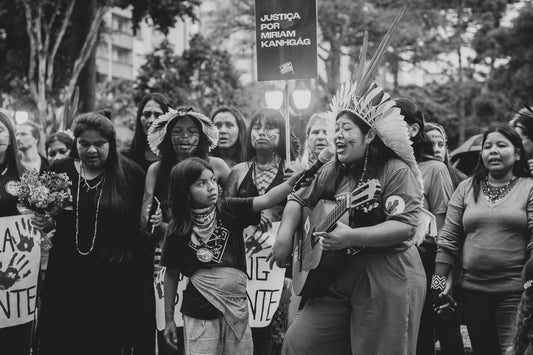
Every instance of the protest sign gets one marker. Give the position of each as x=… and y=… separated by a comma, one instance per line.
x=286, y=39
x=264, y=285
x=20, y=255
x=159, y=285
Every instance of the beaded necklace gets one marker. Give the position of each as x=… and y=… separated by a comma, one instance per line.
x=84, y=253
x=497, y=193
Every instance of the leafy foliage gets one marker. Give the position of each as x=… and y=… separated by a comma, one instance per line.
x=163, y=13
x=202, y=76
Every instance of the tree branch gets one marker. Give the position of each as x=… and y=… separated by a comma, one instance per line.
x=86, y=50
x=33, y=49
x=59, y=39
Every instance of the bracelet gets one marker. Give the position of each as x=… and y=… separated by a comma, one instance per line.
x=528, y=284
x=438, y=282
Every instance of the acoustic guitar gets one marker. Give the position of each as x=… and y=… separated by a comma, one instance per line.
x=313, y=268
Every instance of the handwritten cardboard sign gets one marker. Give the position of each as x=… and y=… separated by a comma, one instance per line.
x=159, y=285
x=20, y=255
x=264, y=285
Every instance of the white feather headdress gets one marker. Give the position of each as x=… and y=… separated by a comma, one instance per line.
x=369, y=102
x=158, y=129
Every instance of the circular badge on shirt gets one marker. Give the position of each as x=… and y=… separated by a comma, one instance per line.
x=394, y=205
x=11, y=188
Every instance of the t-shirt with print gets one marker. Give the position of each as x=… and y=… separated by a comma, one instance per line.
x=233, y=215
x=399, y=199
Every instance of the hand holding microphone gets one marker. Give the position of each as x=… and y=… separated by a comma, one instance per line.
x=325, y=155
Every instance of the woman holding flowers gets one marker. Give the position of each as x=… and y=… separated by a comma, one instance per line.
x=91, y=291
x=17, y=338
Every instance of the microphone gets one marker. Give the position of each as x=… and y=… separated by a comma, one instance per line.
x=325, y=155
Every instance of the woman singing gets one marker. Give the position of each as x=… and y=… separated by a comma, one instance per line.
x=373, y=304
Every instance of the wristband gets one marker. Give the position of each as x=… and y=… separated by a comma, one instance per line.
x=528, y=284
x=438, y=282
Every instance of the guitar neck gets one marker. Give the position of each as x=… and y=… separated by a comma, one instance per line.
x=333, y=216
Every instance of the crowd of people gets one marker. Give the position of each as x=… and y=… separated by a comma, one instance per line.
x=182, y=193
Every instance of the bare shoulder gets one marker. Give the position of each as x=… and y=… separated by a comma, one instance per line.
x=241, y=168
x=217, y=162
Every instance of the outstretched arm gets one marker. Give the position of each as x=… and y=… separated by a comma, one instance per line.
x=284, y=240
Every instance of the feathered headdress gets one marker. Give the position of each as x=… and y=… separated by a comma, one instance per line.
x=158, y=129
x=367, y=101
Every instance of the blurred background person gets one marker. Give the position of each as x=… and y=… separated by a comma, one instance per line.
x=438, y=138
x=488, y=229
x=58, y=146
x=28, y=135
x=92, y=293
x=150, y=108
x=318, y=135
x=523, y=125
x=231, y=135
x=438, y=189
x=522, y=340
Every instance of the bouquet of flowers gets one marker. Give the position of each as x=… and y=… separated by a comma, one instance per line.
x=47, y=193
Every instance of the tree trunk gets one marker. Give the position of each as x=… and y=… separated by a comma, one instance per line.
x=333, y=67
x=460, y=80
x=87, y=80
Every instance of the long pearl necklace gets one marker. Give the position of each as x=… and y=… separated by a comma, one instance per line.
x=84, y=253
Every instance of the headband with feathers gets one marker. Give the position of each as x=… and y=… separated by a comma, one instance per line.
x=158, y=129
x=369, y=102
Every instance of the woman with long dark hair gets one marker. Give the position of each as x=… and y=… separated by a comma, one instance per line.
x=150, y=108
x=488, y=230
x=263, y=170
x=231, y=135
x=17, y=338
x=92, y=287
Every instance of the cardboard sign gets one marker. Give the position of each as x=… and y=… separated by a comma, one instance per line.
x=159, y=288
x=286, y=39
x=264, y=285
x=20, y=256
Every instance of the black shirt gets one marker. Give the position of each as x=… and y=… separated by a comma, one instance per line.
x=8, y=202
x=179, y=253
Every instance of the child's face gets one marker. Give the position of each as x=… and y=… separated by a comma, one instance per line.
x=204, y=191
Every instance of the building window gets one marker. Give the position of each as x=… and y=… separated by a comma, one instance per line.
x=122, y=55
x=121, y=24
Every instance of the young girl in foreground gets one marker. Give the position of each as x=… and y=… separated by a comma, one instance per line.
x=204, y=242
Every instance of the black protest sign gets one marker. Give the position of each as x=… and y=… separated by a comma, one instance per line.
x=286, y=39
